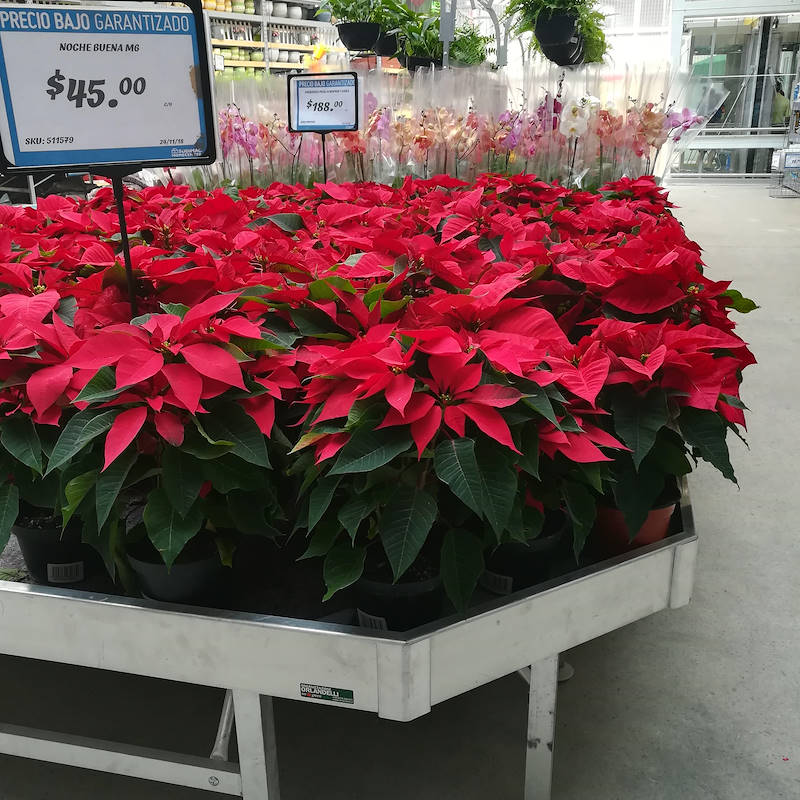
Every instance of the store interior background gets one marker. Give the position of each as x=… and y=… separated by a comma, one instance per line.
x=749, y=49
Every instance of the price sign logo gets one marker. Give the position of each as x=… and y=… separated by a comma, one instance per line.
x=123, y=86
x=323, y=103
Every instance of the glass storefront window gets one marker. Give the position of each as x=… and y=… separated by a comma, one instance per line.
x=756, y=60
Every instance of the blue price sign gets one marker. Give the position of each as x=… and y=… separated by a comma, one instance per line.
x=90, y=87
x=323, y=102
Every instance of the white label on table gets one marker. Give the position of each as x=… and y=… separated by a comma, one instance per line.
x=92, y=85
x=325, y=102
x=65, y=573
x=499, y=584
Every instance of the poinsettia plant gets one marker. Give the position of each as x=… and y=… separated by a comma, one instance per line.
x=446, y=362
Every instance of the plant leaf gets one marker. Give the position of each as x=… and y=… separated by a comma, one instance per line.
x=168, y=530
x=356, y=510
x=20, y=439
x=323, y=539
x=178, y=309
x=109, y=484
x=369, y=449
x=706, y=431
x=462, y=565
x=182, y=478
x=582, y=508
x=635, y=492
x=320, y=498
x=102, y=387
x=455, y=464
x=231, y=423
x=291, y=223
x=248, y=515
x=638, y=420
x=499, y=482
x=343, y=566
x=9, y=511
x=75, y=491
x=404, y=526
x=738, y=302
x=78, y=432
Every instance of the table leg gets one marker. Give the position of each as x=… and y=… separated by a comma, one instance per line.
x=222, y=742
x=541, y=729
x=258, y=756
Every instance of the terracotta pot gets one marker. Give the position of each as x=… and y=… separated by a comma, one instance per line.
x=612, y=531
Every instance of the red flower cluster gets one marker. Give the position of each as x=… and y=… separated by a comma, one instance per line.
x=455, y=303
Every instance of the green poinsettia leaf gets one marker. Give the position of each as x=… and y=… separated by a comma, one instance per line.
x=638, y=420
x=369, y=449
x=404, y=526
x=455, y=463
x=9, y=511
x=18, y=436
x=706, y=431
x=343, y=566
x=78, y=432
x=168, y=530
x=462, y=565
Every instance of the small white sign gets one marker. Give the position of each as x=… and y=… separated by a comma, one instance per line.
x=91, y=85
x=323, y=103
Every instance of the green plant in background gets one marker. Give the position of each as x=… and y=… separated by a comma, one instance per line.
x=391, y=15
x=469, y=45
x=420, y=36
x=589, y=21
x=351, y=10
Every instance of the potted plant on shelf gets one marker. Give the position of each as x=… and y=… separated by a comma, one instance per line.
x=37, y=333
x=469, y=46
x=391, y=15
x=420, y=43
x=568, y=32
x=355, y=22
x=186, y=408
x=425, y=443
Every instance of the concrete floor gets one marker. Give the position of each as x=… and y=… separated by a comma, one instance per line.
x=697, y=704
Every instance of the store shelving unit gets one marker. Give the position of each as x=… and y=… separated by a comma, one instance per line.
x=269, y=35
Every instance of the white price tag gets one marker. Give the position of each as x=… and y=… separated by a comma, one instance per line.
x=324, y=102
x=86, y=85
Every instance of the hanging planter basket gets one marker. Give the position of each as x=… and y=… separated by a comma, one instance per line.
x=359, y=36
x=556, y=29
x=559, y=39
x=565, y=55
x=413, y=63
x=387, y=45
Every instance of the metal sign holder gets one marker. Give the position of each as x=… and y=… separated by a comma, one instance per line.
x=322, y=133
x=398, y=676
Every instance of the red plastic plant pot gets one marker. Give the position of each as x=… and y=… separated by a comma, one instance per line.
x=613, y=534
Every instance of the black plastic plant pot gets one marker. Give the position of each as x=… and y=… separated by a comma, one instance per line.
x=398, y=606
x=413, y=63
x=556, y=29
x=54, y=557
x=387, y=45
x=196, y=577
x=518, y=565
x=565, y=55
x=358, y=36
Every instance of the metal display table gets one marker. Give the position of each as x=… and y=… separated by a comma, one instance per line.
x=397, y=676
